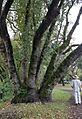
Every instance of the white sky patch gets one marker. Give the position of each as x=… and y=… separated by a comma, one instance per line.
x=77, y=35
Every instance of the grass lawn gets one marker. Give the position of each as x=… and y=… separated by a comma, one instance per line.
x=58, y=109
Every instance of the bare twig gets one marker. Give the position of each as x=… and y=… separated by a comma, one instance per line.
x=6, y=9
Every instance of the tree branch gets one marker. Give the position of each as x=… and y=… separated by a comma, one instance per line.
x=67, y=50
x=52, y=13
x=59, y=73
x=75, y=24
x=67, y=23
x=12, y=25
x=6, y=9
x=27, y=12
x=1, y=2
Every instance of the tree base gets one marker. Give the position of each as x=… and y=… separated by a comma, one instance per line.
x=31, y=96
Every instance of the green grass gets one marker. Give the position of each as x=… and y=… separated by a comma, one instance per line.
x=58, y=109
x=2, y=104
x=60, y=95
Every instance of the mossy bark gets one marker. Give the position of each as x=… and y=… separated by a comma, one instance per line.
x=25, y=96
x=5, y=38
x=48, y=84
x=52, y=13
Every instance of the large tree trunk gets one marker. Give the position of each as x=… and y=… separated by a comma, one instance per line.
x=3, y=52
x=10, y=59
x=53, y=12
x=8, y=47
x=48, y=85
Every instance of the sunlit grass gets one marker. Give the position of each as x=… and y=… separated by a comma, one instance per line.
x=60, y=95
x=2, y=104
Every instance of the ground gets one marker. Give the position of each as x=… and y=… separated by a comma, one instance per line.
x=75, y=110
x=13, y=112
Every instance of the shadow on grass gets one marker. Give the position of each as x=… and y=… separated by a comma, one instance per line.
x=71, y=100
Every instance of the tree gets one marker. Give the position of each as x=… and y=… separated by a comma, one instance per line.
x=5, y=39
x=33, y=40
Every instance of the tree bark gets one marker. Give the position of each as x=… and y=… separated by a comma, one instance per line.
x=8, y=47
x=48, y=37
x=44, y=47
x=24, y=38
x=24, y=71
x=1, y=2
x=52, y=13
x=60, y=49
x=48, y=85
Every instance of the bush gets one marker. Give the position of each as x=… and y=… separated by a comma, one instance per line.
x=5, y=90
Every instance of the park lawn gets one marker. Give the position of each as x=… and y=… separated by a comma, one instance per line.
x=58, y=109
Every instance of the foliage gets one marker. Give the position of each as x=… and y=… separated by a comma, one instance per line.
x=6, y=90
